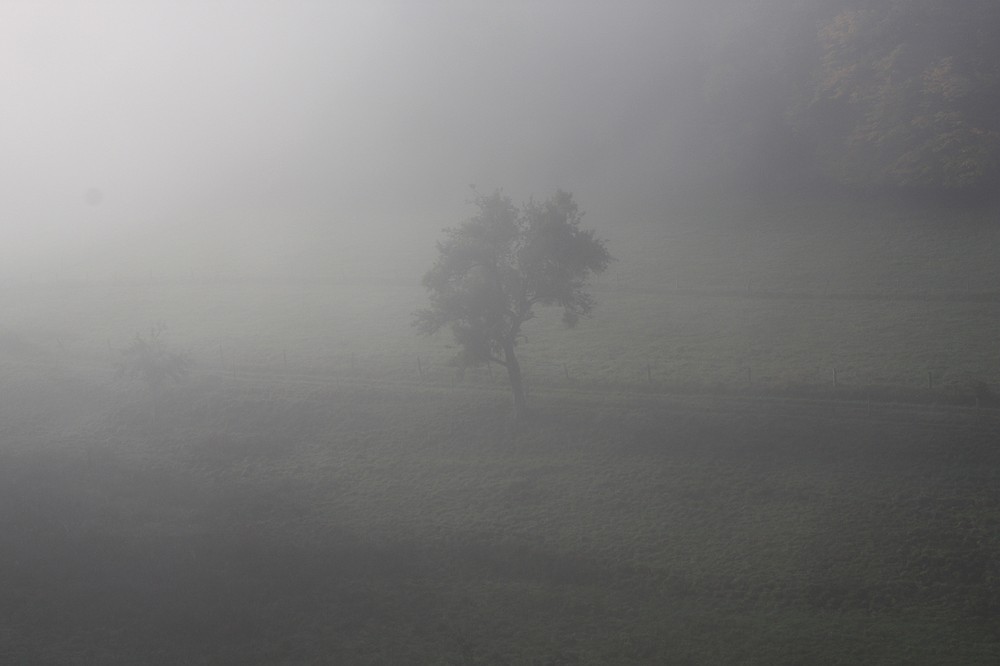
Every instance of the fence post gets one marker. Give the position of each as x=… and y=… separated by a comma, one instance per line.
x=834, y=377
x=930, y=380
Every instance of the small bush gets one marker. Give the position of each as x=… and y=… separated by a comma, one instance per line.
x=151, y=360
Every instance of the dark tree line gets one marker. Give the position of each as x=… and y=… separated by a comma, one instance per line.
x=893, y=94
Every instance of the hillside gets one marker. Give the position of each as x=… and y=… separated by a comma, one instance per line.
x=325, y=486
x=723, y=296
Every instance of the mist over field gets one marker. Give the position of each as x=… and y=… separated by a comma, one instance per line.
x=384, y=332
x=286, y=138
x=281, y=137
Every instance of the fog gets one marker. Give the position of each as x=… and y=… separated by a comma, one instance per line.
x=256, y=408
x=269, y=138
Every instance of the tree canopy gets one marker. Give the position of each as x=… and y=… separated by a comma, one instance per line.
x=898, y=95
x=151, y=360
x=907, y=93
x=493, y=270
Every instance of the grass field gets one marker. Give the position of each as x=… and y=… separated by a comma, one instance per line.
x=314, y=493
x=635, y=338
x=280, y=522
x=885, y=295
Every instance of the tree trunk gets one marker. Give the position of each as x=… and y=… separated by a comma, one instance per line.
x=516, y=382
x=156, y=398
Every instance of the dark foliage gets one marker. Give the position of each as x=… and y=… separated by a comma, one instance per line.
x=902, y=95
x=495, y=268
x=151, y=360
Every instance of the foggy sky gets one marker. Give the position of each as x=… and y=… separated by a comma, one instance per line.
x=188, y=137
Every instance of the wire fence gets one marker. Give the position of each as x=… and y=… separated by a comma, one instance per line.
x=398, y=357
x=934, y=386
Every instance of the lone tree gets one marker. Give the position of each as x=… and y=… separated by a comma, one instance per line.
x=151, y=360
x=495, y=268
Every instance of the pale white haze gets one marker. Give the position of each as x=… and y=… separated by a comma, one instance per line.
x=310, y=138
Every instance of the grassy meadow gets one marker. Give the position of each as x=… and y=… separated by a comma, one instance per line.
x=887, y=296
x=308, y=523
x=326, y=488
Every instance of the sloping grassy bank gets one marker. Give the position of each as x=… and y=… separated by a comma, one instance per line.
x=718, y=293
x=350, y=524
